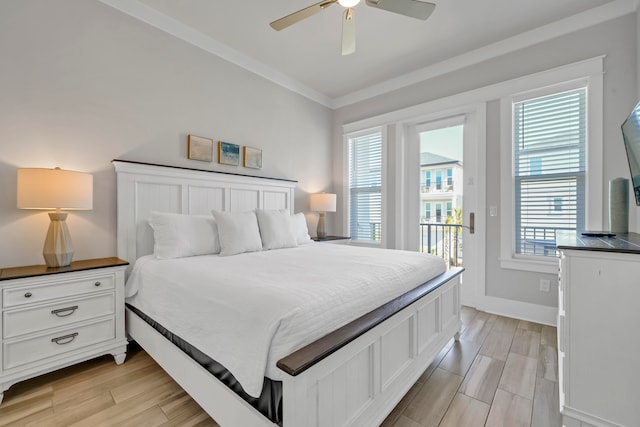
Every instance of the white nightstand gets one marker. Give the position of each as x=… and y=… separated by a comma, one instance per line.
x=56, y=317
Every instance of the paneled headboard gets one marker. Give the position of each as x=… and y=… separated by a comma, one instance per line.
x=143, y=188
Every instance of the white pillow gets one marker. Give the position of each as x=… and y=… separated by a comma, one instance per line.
x=276, y=229
x=300, y=230
x=238, y=232
x=179, y=235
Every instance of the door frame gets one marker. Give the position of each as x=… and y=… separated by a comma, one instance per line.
x=397, y=214
x=474, y=188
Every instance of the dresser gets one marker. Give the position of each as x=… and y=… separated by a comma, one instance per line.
x=56, y=317
x=599, y=330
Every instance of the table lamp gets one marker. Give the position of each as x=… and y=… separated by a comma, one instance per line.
x=55, y=189
x=322, y=203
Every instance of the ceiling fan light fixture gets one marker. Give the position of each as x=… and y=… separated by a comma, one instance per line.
x=419, y=9
x=348, y=3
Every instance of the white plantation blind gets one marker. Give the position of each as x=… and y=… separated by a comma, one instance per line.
x=365, y=187
x=549, y=168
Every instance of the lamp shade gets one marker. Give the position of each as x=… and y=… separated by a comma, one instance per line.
x=323, y=202
x=54, y=189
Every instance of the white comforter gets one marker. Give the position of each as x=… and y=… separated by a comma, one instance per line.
x=248, y=311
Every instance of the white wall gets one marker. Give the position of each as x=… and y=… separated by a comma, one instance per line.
x=82, y=84
x=634, y=208
x=617, y=39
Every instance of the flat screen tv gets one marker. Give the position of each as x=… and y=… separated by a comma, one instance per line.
x=631, y=134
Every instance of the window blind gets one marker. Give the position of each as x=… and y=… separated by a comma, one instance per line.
x=365, y=187
x=549, y=167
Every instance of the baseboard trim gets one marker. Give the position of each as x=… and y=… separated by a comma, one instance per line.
x=519, y=310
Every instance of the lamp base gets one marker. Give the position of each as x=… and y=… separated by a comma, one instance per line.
x=321, y=233
x=58, y=250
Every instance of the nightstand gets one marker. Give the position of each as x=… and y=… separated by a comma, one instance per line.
x=339, y=240
x=56, y=317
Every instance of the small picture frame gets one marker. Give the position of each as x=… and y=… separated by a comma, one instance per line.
x=252, y=158
x=200, y=148
x=228, y=153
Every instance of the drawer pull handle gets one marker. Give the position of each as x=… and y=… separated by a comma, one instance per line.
x=65, y=339
x=28, y=295
x=97, y=284
x=61, y=311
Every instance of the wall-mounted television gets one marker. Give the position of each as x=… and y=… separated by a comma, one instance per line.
x=631, y=134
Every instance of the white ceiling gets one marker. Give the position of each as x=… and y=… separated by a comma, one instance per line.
x=391, y=49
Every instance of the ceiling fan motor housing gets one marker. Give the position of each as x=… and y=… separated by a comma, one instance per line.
x=348, y=3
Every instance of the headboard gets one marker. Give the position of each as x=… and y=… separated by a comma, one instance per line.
x=143, y=188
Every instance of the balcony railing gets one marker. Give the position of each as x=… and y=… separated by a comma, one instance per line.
x=435, y=188
x=443, y=240
x=371, y=231
x=539, y=241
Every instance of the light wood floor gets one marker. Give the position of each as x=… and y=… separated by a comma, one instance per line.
x=502, y=372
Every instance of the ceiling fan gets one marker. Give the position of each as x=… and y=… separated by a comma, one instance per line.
x=413, y=8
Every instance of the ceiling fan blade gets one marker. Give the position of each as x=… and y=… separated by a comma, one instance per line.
x=298, y=16
x=348, y=32
x=413, y=8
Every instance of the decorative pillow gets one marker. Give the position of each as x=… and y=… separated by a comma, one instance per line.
x=179, y=235
x=300, y=230
x=238, y=232
x=276, y=229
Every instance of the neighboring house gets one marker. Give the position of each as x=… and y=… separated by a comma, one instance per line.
x=440, y=187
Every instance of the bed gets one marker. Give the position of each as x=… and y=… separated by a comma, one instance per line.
x=353, y=374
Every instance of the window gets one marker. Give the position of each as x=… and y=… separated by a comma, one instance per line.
x=438, y=180
x=365, y=186
x=449, y=177
x=427, y=180
x=549, y=137
x=535, y=166
x=449, y=210
x=438, y=212
x=427, y=215
x=551, y=154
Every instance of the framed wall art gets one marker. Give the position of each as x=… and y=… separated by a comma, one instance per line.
x=200, y=148
x=252, y=158
x=228, y=153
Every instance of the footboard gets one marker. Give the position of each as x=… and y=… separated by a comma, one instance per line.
x=333, y=384
x=354, y=376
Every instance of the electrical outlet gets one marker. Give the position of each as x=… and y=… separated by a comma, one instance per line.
x=544, y=285
x=493, y=211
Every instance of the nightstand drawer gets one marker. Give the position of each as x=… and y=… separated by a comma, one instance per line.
x=40, y=293
x=24, y=352
x=23, y=321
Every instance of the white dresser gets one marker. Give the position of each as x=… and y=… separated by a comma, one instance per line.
x=56, y=317
x=599, y=330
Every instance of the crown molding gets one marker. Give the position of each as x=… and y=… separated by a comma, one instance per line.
x=591, y=17
x=547, y=32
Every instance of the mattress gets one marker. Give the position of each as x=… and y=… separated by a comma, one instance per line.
x=269, y=403
x=248, y=311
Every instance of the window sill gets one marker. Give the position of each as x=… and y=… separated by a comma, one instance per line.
x=535, y=265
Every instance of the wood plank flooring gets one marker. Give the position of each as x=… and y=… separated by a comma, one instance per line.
x=502, y=372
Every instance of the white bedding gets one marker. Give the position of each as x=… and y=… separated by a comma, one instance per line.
x=250, y=310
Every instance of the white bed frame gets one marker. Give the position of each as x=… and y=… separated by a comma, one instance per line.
x=356, y=385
